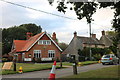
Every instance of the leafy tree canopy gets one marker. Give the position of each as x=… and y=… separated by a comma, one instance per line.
x=63, y=46
x=87, y=9
x=17, y=33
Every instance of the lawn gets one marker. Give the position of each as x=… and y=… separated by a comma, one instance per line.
x=29, y=67
x=81, y=63
x=103, y=74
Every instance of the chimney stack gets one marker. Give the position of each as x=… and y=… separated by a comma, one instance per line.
x=75, y=34
x=54, y=36
x=103, y=32
x=93, y=35
x=28, y=35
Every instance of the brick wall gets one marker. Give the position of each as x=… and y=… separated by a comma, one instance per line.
x=44, y=49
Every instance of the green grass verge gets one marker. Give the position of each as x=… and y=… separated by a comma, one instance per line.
x=88, y=62
x=109, y=72
x=29, y=67
x=81, y=63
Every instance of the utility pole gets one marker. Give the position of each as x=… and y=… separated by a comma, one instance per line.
x=90, y=40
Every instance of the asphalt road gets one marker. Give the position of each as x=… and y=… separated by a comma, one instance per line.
x=59, y=72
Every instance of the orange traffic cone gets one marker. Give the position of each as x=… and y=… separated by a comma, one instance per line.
x=52, y=73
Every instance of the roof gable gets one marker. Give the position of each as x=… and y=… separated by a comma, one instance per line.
x=73, y=46
x=45, y=33
x=106, y=40
x=26, y=45
x=54, y=43
x=33, y=40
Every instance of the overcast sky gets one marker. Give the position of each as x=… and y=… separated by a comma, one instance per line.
x=14, y=15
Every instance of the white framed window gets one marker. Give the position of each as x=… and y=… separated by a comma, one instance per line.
x=40, y=42
x=37, y=53
x=44, y=42
x=51, y=53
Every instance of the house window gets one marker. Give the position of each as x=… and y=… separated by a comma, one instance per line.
x=44, y=42
x=51, y=53
x=40, y=42
x=37, y=53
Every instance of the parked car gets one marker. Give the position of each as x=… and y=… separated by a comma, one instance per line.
x=109, y=59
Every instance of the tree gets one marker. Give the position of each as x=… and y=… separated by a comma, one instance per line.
x=33, y=28
x=87, y=9
x=0, y=34
x=97, y=53
x=17, y=33
x=113, y=35
x=63, y=46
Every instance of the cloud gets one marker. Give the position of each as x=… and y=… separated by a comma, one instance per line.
x=42, y=8
x=64, y=28
x=103, y=14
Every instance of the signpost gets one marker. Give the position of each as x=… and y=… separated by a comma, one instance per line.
x=74, y=64
x=14, y=66
x=73, y=60
x=14, y=62
x=75, y=68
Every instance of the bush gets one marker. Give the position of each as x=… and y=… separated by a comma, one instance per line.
x=81, y=58
x=10, y=58
x=97, y=57
x=38, y=60
x=96, y=53
x=5, y=60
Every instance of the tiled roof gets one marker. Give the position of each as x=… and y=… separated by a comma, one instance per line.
x=19, y=44
x=24, y=45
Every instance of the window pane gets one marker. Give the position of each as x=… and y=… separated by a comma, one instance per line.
x=48, y=42
x=45, y=42
x=37, y=53
x=51, y=53
x=40, y=42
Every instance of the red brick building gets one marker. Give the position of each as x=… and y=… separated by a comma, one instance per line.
x=39, y=47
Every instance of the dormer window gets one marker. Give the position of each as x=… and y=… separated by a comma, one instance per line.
x=44, y=42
